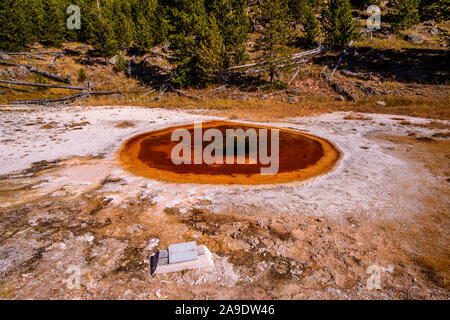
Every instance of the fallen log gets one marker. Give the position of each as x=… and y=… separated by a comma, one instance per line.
x=255, y=71
x=63, y=99
x=213, y=91
x=341, y=90
x=165, y=56
x=52, y=62
x=26, y=54
x=343, y=54
x=162, y=89
x=39, y=71
x=9, y=87
x=169, y=87
x=358, y=75
x=294, y=76
x=336, y=86
x=180, y=93
x=42, y=85
x=49, y=52
x=147, y=93
x=317, y=50
x=295, y=56
x=366, y=89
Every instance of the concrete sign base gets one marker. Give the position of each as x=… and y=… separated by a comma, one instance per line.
x=160, y=262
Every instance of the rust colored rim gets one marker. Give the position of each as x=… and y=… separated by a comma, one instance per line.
x=301, y=156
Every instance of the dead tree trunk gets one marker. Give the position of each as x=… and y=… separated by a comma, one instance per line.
x=295, y=56
x=39, y=71
x=344, y=53
x=42, y=85
x=294, y=76
x=52, y=62
x=26, y=54
x=336, y=86
x=180, y=93
x=214, y=91
x=64, y=99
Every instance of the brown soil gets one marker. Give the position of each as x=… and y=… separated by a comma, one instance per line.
x=125, y=124
x=285, y=256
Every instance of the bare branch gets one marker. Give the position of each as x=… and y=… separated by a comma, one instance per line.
x=64, y=99
x=52, y=62
x=213, y=91
x=36, y=70
x=344, y=53
x=294, y=76
x=26, y=54
x=42, y=85
x=295, y=56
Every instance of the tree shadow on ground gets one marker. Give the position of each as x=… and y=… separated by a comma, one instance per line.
x=147, y=74
x=426, y=66
x=248, y=83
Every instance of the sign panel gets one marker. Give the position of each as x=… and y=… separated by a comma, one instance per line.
x=181, y=252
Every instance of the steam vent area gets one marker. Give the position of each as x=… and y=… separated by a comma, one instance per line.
x=294, y=156
x=131, y=202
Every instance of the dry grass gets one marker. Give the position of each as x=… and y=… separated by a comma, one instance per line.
x=316, y=98
x=397, y=41
x=262, y=110
x=49, y=125
x=444, y=135
x=125, y=124
x=356, y=117
x=429, y=125
x=78, y=124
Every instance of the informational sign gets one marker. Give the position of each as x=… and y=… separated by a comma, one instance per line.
x=181, y=252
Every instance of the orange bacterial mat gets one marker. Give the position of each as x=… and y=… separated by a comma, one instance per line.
x=301, y=156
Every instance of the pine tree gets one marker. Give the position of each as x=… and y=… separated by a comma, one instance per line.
x=120, y=64
x=100, y=33
x=187, y=20
x=296, y=8
x=123, y=25
x=188, y=26
x=210, y=53
x=145, y=24
x=310, y=24
x=234, y=26
x=435, y=9
x=17, y=27
x=206, y=60
x=362, y=4
x=405, y=13
x=52, y=26
x=338, y=23
x=276, y=36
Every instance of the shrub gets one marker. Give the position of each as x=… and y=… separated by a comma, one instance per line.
x=310, y=23
x=276, y=85
x=405, y=13
x=81, y=75
x=435, y=9
x=39, y=78
x=120, y=64
x=338, y=23
x=185, y=73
